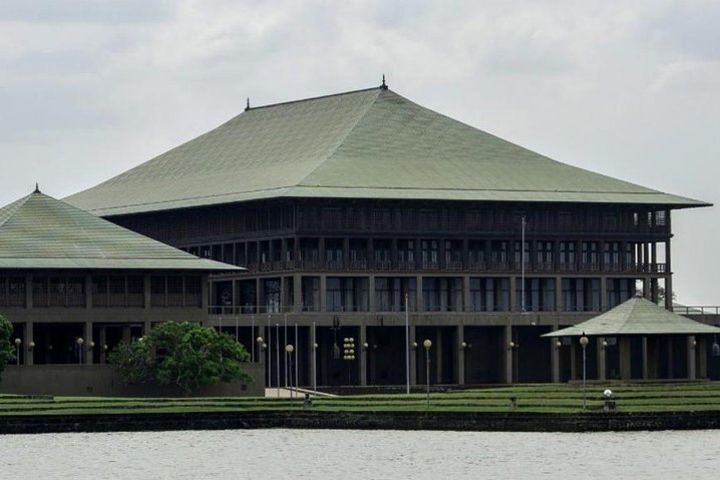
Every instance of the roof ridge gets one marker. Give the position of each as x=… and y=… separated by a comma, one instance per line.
x=13, y=208
x=308, y=99
x=300, y=183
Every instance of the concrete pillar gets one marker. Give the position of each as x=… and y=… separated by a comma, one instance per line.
x=555, y=357
x=652, y=356
x=419, y=304
x=603, y=294
x=363, y=354
x=312, y=356
x=668, y=271
x=670, y=360
x=691, y=363
x=574, y=360
x=645, y=359
x=438, y=347
x=558, y=294
x=323, y=293
x=126, y=334
x=509, y=350
x=513, y=294
x=460, y=355
x=601, y=359
x=413, y=356
x=88, y=345
x=625, y=365
x=297, y=293
x=102, y=341
x=467, y=303
x=27, y=341
x=371, y=293
x=147, y=292
x=701, y=350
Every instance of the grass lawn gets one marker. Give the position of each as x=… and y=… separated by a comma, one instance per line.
x=530, y=398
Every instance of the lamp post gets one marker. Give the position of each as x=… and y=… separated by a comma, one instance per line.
x=349, y=354
x=260, y=342
x=18, y=342
x=80, y=342
x=407, y=347
x=584, y=340
x=289, y=349
x=427, y=344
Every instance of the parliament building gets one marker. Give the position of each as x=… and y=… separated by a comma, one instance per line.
x=365, y=223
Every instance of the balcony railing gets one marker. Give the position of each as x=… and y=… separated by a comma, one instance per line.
x=697, y=310
x=365, y=265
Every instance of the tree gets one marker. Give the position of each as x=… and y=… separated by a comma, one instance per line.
x=183, y=355
x=7, y=351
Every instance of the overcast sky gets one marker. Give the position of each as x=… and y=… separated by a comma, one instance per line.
x=629, y=89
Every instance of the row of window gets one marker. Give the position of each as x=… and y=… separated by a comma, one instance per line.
x=426, y=252
x=107, y=291
x=439, y=294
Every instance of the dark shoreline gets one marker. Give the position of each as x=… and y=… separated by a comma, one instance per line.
x=448, y=421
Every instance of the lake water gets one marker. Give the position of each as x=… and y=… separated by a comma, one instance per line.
x=333, y=454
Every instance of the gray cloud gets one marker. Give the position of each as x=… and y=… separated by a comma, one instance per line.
x=629, y=89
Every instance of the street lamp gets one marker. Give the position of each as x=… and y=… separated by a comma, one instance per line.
x=427, y=344
x=18, y=342
x=80, y=342
x=289, y=349
x=349, y=354
x=260, y=342
x=584, y=340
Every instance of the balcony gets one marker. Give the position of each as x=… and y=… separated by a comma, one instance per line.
x=459, y=266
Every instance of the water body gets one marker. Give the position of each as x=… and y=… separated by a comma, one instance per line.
x=333, y=454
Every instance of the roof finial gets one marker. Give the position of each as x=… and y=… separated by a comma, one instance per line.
x=37, y=188
x=384, y=85
x=247, y=104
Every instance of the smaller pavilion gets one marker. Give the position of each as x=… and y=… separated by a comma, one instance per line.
x=639, y=339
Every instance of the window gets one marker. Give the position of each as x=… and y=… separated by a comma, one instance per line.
x=311, y=294
x=390, y=294
x=489, y=294
x=429, y=253
x=271, y=295
x=442, y=294
x=347, y=294
x=539, y=294
x=581, y=294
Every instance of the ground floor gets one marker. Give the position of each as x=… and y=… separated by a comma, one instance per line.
x=384, y=351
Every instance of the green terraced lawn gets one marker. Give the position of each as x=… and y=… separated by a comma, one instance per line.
x=530, y=398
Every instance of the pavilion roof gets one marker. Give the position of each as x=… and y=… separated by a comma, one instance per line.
x=369, y=143
x=39, y=231
x=636, y=316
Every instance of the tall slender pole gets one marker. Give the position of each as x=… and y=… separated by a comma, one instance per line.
x=584, y=378
x=277, y=357
x=297, y=379
x=427, y=374
x=269, y=353
x=287, y=357
x=522, y=261
x=314, y=357
x=407, y=347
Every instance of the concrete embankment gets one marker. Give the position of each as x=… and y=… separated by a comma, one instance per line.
x=517, y=422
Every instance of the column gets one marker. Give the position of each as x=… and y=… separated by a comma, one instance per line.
x=691, y=363
x=701, y=350
x=558, y=294
x=460, y=355
x=147, y=291
x=371, y=293
x=603, y=294
x=88, y=343
x=28, y=292
x=652, y=356
x=323, y=293
x=555, y=357
x=467, y=304
x=625, y=367
x=601, y=359
x=645, y=359
x=363, y=354
x=297, y=293
x=88, y=291
x=419, y=305
x=126, y=334
x=27, y=342
x=438, y=347
x=668, y=272
x=513, y=294
x=670, y=360
x=102, y=341
x=508, y=367
x=574, y=359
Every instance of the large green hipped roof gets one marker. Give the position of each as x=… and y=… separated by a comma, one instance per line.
x=40, y=232
x=636, y=316
x=365, y=144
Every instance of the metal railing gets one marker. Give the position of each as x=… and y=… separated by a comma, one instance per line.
x=697, y=310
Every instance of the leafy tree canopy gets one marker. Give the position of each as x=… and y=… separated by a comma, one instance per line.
x=184, y=355
x=7, y=350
